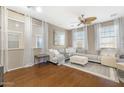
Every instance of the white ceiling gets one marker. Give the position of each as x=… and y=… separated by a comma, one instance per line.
x=67, y=16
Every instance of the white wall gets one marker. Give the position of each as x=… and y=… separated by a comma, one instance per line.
x=15, y=58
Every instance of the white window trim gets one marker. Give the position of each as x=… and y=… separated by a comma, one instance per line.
x=64, y=38
x=16, y=31
x=10, y=18
x=116, y=37
x=85, y=40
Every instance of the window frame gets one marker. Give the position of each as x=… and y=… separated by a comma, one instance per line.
x=36, y=34
x=83, y=39
x=103, y=34
x=16, y=32
x=36, y=40
x=54, y=37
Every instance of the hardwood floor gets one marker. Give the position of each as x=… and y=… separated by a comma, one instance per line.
x=49, y=75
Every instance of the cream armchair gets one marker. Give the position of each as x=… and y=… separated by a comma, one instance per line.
x=109, y=61
x=56, y=57
x=108, y=57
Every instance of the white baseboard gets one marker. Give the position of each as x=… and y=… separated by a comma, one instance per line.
x=14, y=69
x=20, y=67
x=29, y=65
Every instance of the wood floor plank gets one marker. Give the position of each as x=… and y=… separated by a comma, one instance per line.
x=50, y=75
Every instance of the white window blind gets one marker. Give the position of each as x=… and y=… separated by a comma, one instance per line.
x=59, y=38
x=13, y=40
x=108, y=37
x=79, y=38
x=14, y=25
x=37, y=33
x=15, y=31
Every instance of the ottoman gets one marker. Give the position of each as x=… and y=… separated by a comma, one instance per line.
x=79, y=60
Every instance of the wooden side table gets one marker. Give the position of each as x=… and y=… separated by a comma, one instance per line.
x=41, y=58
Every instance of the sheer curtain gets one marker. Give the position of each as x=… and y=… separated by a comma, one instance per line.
x=76, y=35
x=45, y=37
x=1, y=62
x=118, y=27
x=28, y=48
x=73, y=38
x=97, y=28
x=4, y=39
x=120, y=22
x=118, y=32
x=86, y=37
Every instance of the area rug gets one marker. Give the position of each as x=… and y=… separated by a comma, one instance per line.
x=96, y=69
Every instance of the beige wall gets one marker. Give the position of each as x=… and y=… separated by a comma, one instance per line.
x=51, y=29
x=69, y=38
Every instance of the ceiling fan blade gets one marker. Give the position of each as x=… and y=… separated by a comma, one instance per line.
x=90, y=19
x=88, y=22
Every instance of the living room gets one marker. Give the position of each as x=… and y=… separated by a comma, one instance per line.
x=87, y=39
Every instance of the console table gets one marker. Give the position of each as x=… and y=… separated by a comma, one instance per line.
x=41, y=58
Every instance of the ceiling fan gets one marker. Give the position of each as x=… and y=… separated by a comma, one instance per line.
x=85, y=21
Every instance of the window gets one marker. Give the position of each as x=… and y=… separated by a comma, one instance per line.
x=15, y=30
x=59, y=38
x=79, y=39
x=13, y=40
x=39, y=42
x=37, y=33
x=108, y=37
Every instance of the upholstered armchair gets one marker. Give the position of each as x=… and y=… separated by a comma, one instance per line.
x=108, y=57
x=56, y=57
x=66, y=52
